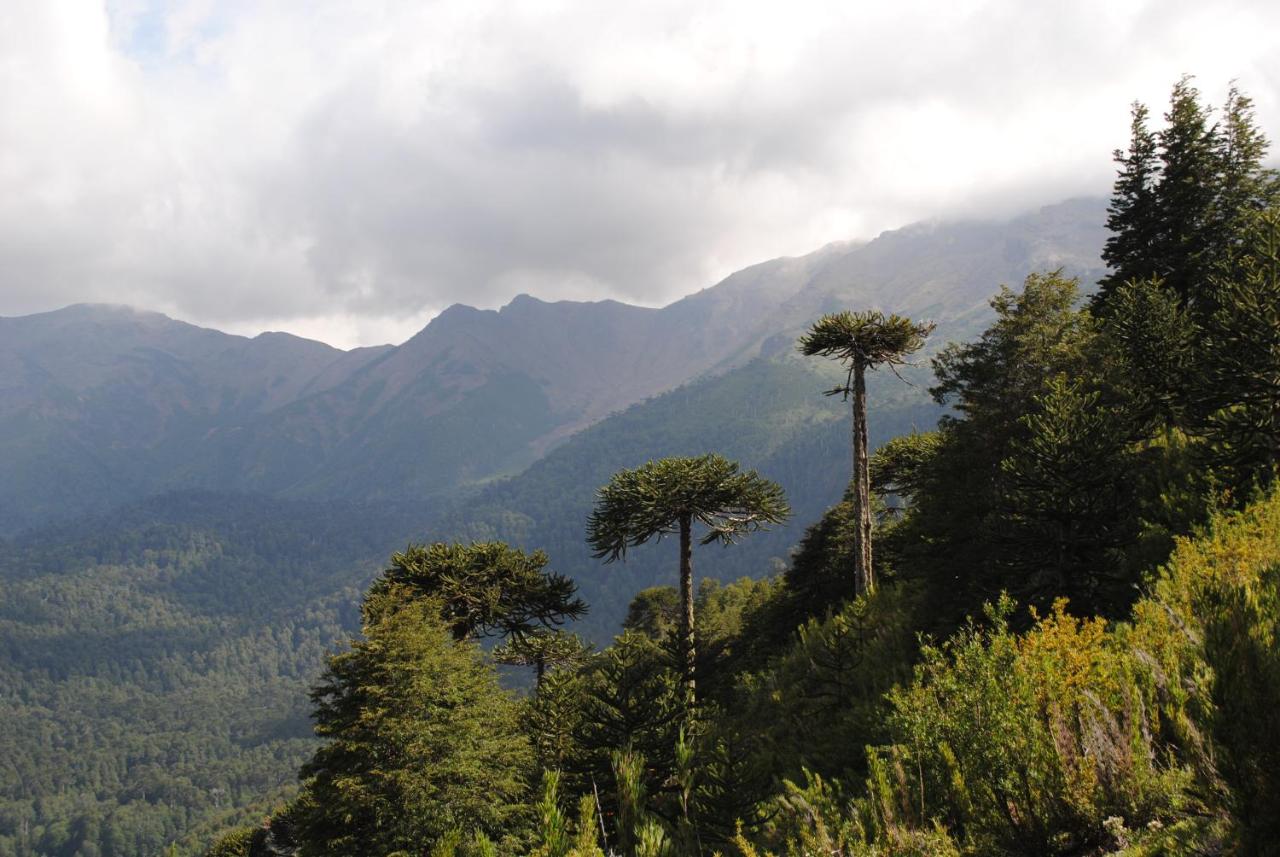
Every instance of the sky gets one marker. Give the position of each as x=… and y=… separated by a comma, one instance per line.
x=345, y=169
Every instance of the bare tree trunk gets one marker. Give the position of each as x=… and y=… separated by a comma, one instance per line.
x=863, y=576
x=686, y=594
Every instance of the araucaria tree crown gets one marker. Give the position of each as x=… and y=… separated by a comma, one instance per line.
x=649, y=501
x=666, y=497
x=486, y=588
x=863, y=340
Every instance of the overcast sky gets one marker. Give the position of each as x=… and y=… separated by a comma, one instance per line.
x=344, y=170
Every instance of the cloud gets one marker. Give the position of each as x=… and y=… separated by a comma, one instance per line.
x=346, y=169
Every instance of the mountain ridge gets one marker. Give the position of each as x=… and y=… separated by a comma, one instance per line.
x=103, y=404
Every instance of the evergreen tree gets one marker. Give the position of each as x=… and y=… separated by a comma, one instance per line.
x=1155, y=353
x=627, y=698
x=1069, y=502
x=1187, y=224
x=1242, y=358
x=1182, y=196
x=1131, y=216
x=1246, y=187
x=485, y=588
x=864, y=341
x=666, y=497
x=952, y=534
x=419, y=740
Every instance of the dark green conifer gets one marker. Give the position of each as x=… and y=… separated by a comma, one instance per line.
x=419, y=740
x=1187, y=214
x=1131, y=216
x=1242, y=357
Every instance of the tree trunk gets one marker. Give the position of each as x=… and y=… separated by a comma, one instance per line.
x=863, y=577
x=686, y=595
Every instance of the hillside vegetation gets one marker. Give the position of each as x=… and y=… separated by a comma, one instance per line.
x=1067, y=644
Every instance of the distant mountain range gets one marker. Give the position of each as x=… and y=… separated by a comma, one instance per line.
x=106, y=405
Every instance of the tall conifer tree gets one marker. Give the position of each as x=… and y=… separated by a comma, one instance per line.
x=863, y=340
x=667, y=497
x=1131, y=216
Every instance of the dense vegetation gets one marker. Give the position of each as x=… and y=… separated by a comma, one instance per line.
x=1089, y=540
x=154, y=665
x=209, y=615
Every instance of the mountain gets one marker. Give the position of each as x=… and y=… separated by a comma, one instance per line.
x=101, y=405
x=104, y=405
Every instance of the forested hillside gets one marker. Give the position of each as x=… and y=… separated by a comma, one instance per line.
x=1046, y=626
x=154, y=663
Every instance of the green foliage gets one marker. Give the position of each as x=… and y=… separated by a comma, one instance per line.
x=999, y=450
x=237, y=843
x=819, y=818
x=419, y=740
x=1158, y=736
x=485, y=588
x=543, y=650
x=651, y=500
x=556, y=835
x=654, y=612
x=900, y=466
x=1154, y=346
x=1242, y=362
x=1209, y=625
x=865, y=339
x=1181, y=194
x=819, y=702
x=1242, y=647
x=639, y=833
x=154, y=666
x=1068, y=499
x=1132, y=213
x=1027, y=745
x=628, y=698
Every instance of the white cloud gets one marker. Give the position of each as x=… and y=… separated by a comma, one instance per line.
x=345, y=169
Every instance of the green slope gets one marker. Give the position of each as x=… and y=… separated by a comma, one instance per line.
x=769, y=415
x=154, y=664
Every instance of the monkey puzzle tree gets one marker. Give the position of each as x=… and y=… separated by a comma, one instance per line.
x=485, y=588
x=666, y=497
x=863, y=340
